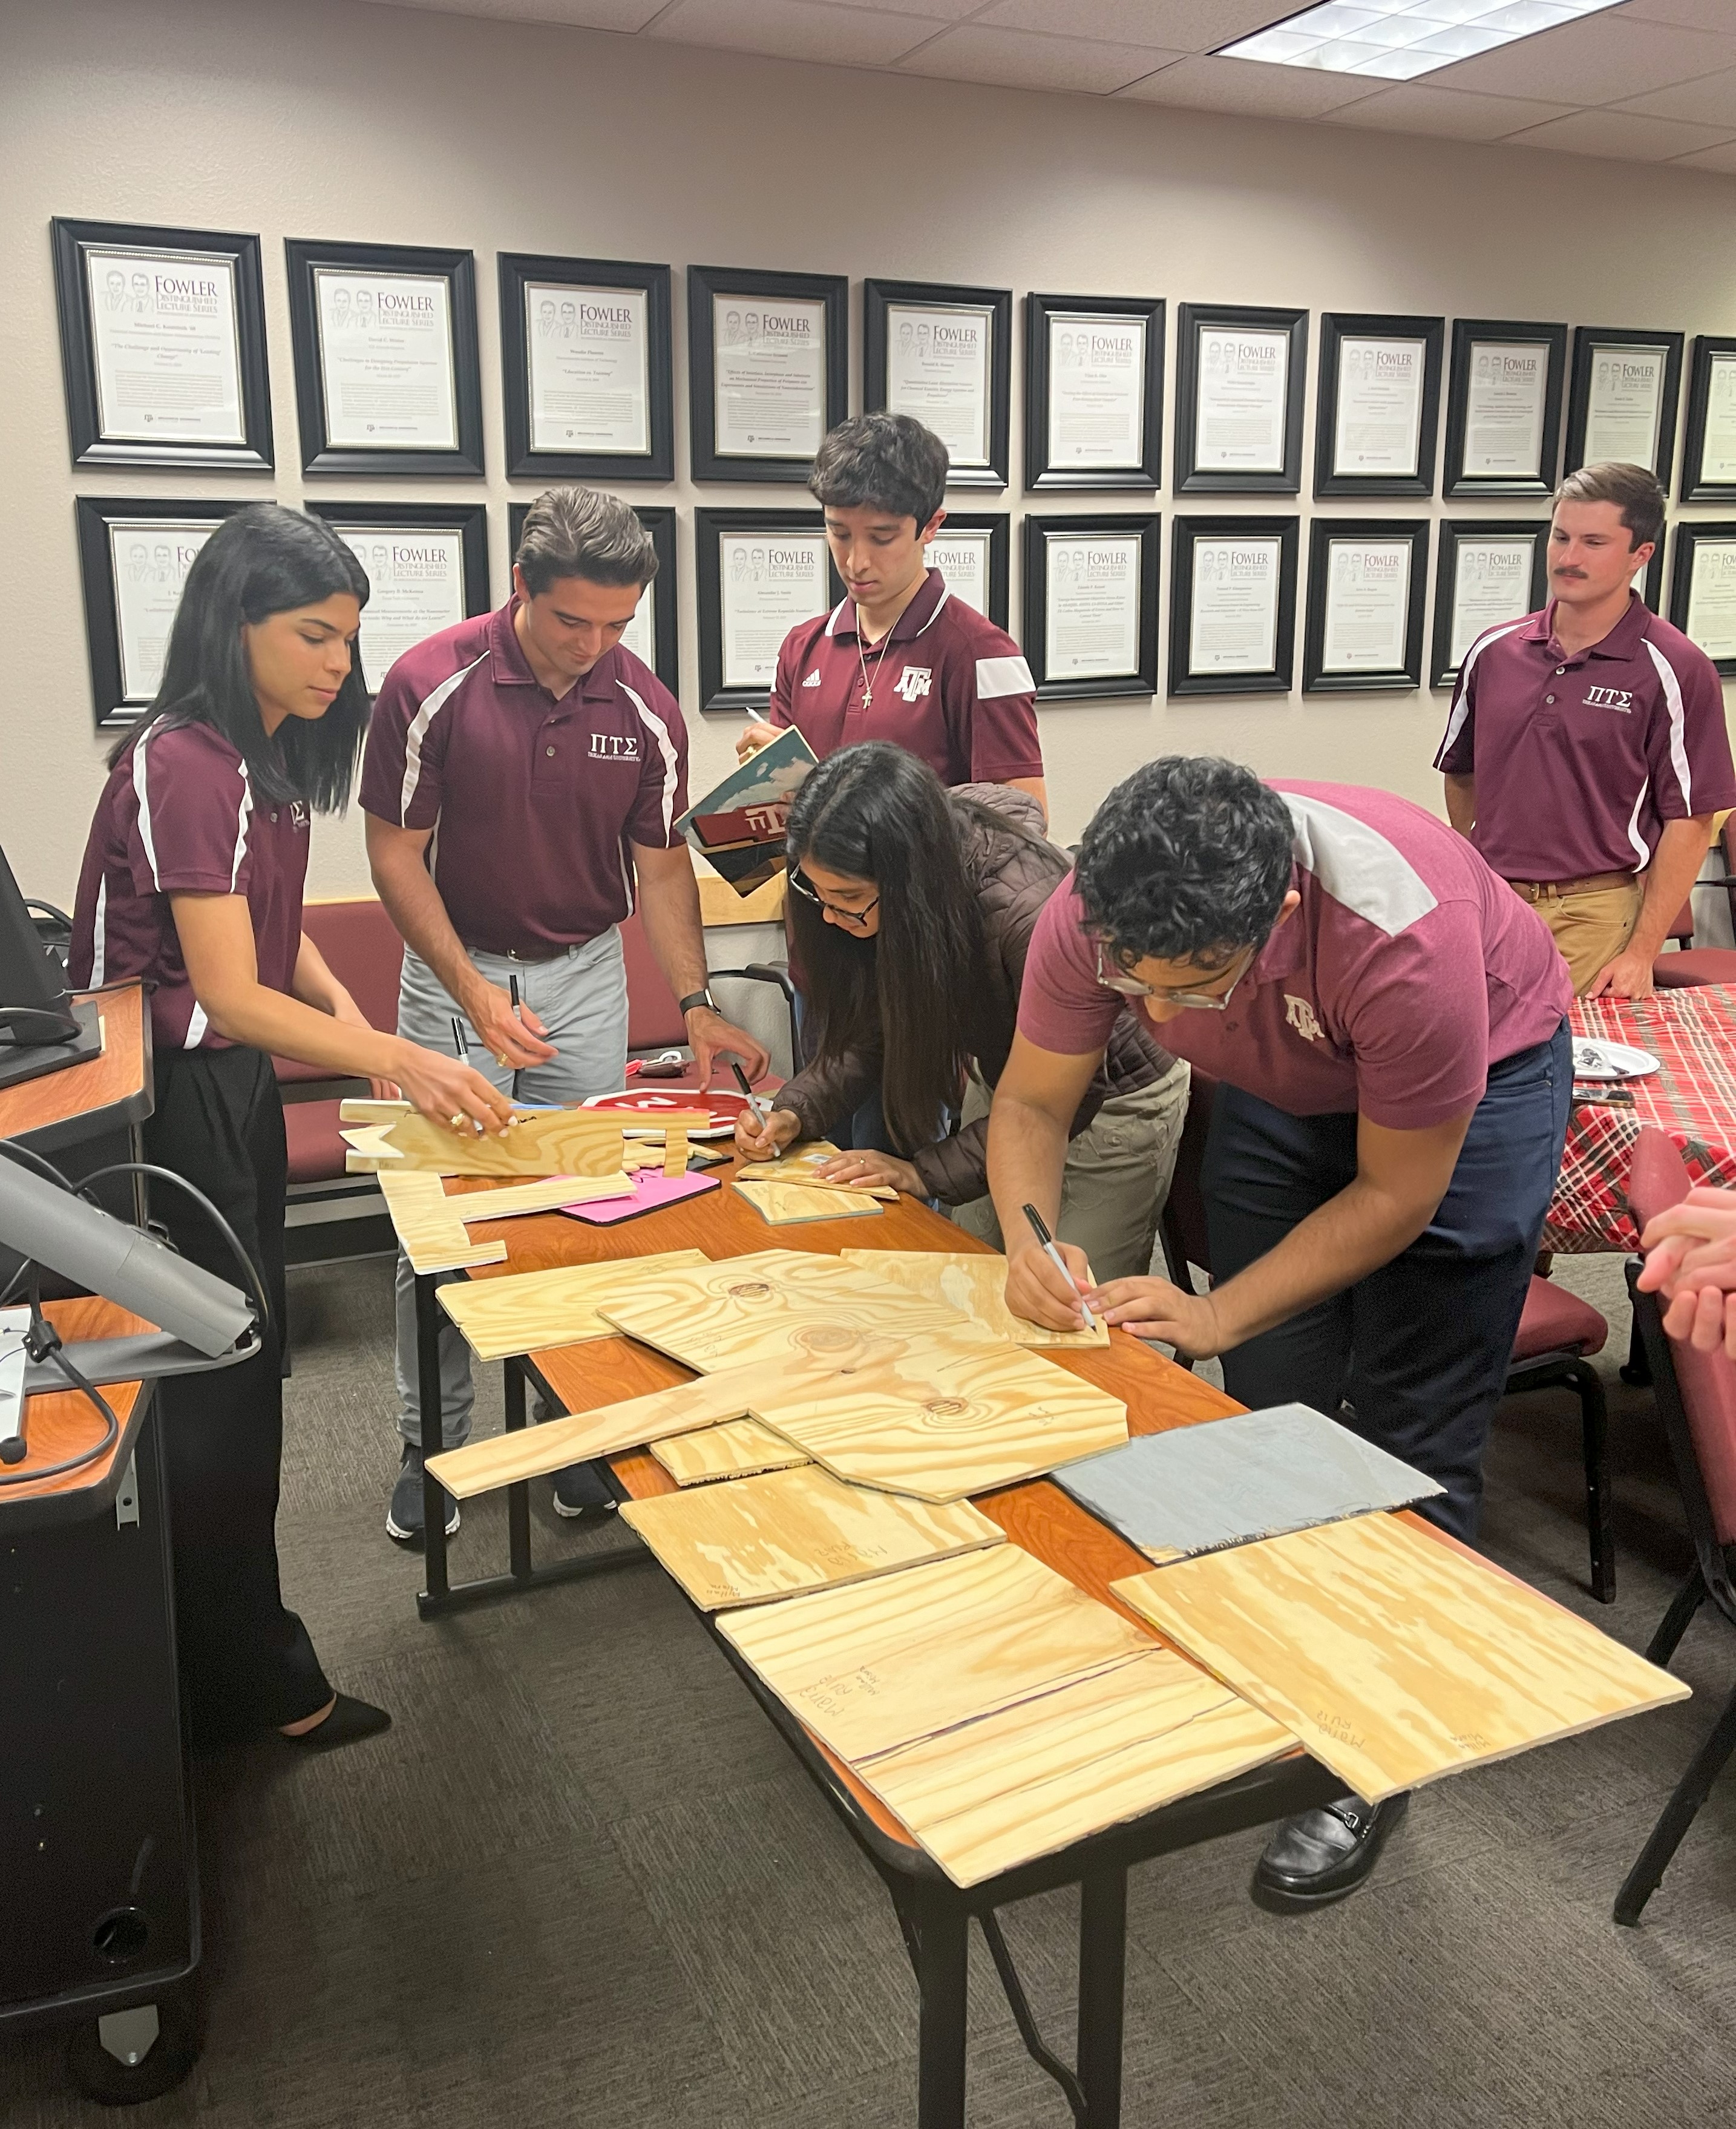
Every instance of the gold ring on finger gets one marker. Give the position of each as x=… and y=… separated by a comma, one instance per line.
x=456, y=1119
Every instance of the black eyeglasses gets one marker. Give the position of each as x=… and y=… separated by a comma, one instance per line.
x=854, y=917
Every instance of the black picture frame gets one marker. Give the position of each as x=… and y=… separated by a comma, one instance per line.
x=1587, y=341
x=320, y=456
x=1278, y=678
x=997, y=524
x=519, y=270
x=1040, y=472
x=1038, y=530
x=1336, y=328
x=90, y=446
x=1454, y=532
x=704, y=284
x=1469, y=334
x=1194, y=319
x=469, y=519
x=708, y=527
x=1690, y=534
x=1322, y=533
x=879, y=298
x=94, y=517
x=658, y=520
x=1710, y=351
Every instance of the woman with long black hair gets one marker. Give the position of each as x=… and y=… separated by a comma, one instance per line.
x=912, y=907
x=193, y=880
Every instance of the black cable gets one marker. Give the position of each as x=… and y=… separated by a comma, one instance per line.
x=43, y=1343
x=217, y=1219
x=11, y=1147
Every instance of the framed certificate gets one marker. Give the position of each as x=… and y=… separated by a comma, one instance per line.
x=1380, y=404
x=1486, y=572
x=970, y=551
x=1365, y=605
x=1090, y=606
x=1232, y=605
x=1503, y=408
x=1621, y=399
x=1703, y=590
x=586, y=370
x=1709, y=455
x=163, y=346
x=427, y=566
x=1093, y=392
x=386, y=374
x=654, y=634
x=133, y=557
x=1239, y=400
x=768, y=361
x=761, y=572
x=944, y=355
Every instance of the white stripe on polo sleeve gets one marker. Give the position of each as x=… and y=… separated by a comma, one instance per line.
x=426, y=712
x=141, y=791
x=99, y=934
x=660, y=732
x=242, y=820
x=1461, y=696
x=1003, y=676
x=1678, y=740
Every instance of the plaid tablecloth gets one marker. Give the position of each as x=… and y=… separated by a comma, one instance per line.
x=1693, y=1034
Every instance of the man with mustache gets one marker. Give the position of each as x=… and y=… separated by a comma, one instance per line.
x=1586, y=756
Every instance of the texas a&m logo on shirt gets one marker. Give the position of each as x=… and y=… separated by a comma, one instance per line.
x=914, y=682
x=1300, y=1014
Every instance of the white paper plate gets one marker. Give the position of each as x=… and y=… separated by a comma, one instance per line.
x=1610, y=1061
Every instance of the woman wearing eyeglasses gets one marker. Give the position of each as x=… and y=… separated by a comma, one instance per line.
x=912, y=907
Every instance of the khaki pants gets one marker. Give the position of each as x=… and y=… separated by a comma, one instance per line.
x=1589, y=929
x=1115, y=1180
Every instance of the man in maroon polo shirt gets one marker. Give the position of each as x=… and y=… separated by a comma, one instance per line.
x=1587, y=753
x=1389, y=1026
x=900, y=658
x=523, y=774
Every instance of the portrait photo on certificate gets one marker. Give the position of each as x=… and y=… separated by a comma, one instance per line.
x=760, y=572
x=1364, y=631
x=1703, y=590
x=1091, y=605
x=766, y=358
x=427, y=566
x=971, y=552
x=388, y=378
x=653, y=634
x=133, y=560
x=163, y=347
x=1503, y=408
x=1708, y=450
x=1238, y=399
x=1622, y=398
x=944, y=355
x=586, y=377
x=1379, y=404
x=1486, y=571
x=1093, y=392
x=1232, y=605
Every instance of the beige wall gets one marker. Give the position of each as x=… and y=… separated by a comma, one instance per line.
x=335, y=119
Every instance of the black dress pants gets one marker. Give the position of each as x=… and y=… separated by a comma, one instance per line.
x=246, y=1662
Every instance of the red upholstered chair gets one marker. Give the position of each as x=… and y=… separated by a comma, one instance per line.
x=654, y=1023
x=1696, y=1399
x=363, y=949
x=1691, y=966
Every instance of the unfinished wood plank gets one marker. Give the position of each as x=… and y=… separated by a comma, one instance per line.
x=784, y=1204
x=975, y=1283
x=503, y=1317
x=801, y=1164
x=1395, y=1658
x=431, y=1226
x=754, y=1539
x=536, y=1142
x=738, y=1449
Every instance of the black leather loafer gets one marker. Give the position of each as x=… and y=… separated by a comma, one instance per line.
x=1321, y=1856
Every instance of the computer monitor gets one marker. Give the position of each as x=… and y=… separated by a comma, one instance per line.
x=40, y=1029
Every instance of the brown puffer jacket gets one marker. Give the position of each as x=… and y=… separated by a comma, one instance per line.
x=1013, y=876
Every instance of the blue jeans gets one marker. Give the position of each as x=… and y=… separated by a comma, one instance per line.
x=1418, y=1348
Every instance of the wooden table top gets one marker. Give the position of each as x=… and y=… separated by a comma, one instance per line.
x=62, y=1423
x=114, y=1088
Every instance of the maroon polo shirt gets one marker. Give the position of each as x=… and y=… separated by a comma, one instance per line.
x=947, y=684
x=536, y=801
x=178, y=816
x=1580, y=758
x=1407, y=971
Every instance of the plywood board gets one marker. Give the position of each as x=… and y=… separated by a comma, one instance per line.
x=1254, y=1474
x=783, y=1204
x=754, y=1539
x=801, y=1164
x=431, y=1226
x=536, y=1142
x=1395, y=1658
x=960, y=1422
x=737, y=1450
x=502, y=1317
x=975, y=1283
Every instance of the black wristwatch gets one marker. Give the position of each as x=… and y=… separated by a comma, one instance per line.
x=704, y=998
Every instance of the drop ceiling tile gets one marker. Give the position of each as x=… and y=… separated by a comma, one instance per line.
x=1711, y=102
x=953, y=11
x=1017, y=59
x=1710, y=158
x=1180, y=25
x=795, y=30
x=627, y=15
x=1685, y=14
x=1251, y=89
x=1453, y=115
x=1594, y=61
x=1622, y=134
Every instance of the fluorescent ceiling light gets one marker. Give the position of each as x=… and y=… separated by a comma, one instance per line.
x=1398, y=40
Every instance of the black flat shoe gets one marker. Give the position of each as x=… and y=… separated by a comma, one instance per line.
x=1319, y=1856
x=349, y=1721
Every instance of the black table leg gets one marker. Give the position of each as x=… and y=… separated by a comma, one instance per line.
x=428, y=1397
x=1102, y=1975
x=943, y=1958
x=518, y=1496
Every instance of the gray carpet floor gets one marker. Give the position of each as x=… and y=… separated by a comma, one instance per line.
x=582, y=1881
